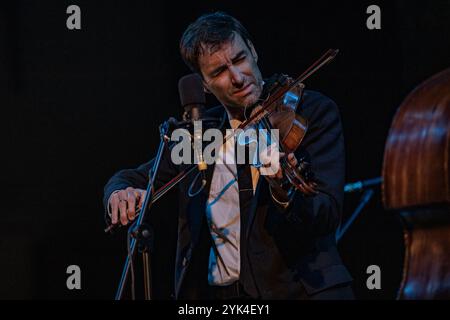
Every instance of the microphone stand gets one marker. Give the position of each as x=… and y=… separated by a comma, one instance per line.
x=365, y=198
x=141, y=234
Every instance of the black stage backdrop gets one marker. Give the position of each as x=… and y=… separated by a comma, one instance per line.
x=78, y=105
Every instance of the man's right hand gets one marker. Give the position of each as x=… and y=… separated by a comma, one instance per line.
x=123, y=204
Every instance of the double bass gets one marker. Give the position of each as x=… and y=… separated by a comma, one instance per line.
x=416, y=183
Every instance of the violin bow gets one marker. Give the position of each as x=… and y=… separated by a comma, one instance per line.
x=326, y=58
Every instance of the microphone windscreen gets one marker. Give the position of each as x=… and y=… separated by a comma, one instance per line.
x=191, y=91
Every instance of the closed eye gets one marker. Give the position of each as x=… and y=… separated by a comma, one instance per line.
x=239, y=58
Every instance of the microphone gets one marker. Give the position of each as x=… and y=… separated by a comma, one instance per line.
x=192, y=97
x=360, y=185
x=193, y=101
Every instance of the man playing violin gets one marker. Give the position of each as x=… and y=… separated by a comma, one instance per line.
x=245, y=237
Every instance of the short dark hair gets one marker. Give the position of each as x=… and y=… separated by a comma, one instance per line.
x=212, y=30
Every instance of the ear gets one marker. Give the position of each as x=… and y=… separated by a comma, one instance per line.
x=252, y=50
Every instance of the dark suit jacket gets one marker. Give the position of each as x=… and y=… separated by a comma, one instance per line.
x=286, y=253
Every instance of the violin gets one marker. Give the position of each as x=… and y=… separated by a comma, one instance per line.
x=278, y=111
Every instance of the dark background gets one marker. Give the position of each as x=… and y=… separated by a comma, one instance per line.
x=78, y=105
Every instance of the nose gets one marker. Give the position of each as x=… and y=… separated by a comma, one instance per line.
x=237, y=78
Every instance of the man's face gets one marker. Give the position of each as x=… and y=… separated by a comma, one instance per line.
x=231, y=73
